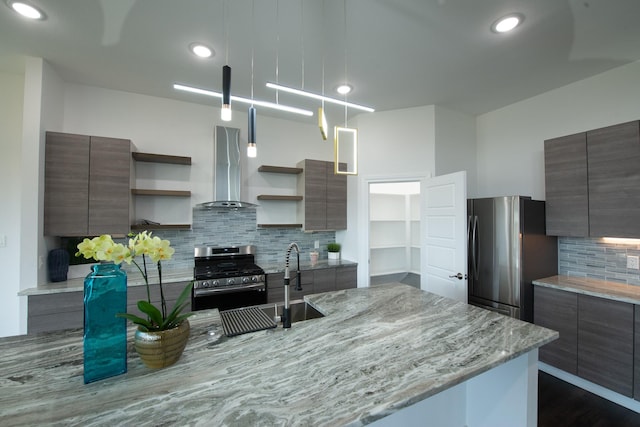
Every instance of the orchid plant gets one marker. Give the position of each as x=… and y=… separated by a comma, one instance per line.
x=143, y=244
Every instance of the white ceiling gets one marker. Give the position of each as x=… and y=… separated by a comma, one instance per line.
x=399, y=53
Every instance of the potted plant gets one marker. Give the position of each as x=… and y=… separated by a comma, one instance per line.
x=162, y=334
x=333, y=250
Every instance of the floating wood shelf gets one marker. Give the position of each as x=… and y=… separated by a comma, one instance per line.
x=278, y=197
x=160, y=158
x=172, y=193
x=280, y=169
x=280, y=225
x=139, y=227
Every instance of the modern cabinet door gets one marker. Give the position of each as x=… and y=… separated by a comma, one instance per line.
x=636, y=354
x=54, y=312
x=346, y=277
x=66, y=180
x=324, y=280
x=109, y=186
x=324, y=204
x=558, y=310
x=605, y=343
x=87, y=185
x=566, y=190
x=336, y=199
x=614, y=180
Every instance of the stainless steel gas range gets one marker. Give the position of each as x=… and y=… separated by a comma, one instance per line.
x=226, y=278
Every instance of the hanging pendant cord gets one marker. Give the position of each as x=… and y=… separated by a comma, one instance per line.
x=345, y=59
x=277, y=47
x=226, y=31
x=302, y=39
x=253, y=13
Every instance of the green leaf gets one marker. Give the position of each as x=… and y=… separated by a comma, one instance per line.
x=137, y=320
x=151, y=311
x=186, y=293
x=178, y=320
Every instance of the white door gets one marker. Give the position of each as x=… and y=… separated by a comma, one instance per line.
x=444, y=236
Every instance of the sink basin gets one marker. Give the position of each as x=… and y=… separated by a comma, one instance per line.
x=300, y=310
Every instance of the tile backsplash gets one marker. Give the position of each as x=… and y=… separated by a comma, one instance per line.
x=598, y=258
x=229, y=227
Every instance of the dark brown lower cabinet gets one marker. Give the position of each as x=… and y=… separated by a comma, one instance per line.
x=605, y=343
x=636, y=353
x=558, y=310
x=597, y=338
x=54, y=312
x=313, y=282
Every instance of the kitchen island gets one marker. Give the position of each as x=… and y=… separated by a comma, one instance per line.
x=382, y=355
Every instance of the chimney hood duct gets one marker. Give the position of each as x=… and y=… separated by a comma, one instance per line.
x=227, y=173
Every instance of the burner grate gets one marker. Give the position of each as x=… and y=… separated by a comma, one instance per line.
x=243, y=320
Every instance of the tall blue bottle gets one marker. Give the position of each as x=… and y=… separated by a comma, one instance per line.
x=105, y=335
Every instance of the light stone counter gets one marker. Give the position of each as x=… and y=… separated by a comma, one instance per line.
x=594, y=287
x=377, y=351
x=133, y=279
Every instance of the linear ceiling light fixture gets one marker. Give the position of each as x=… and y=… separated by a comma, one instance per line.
x=321, y=97
x=265, y=104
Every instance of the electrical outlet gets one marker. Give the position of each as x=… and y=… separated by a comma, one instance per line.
x=3, y=241
x=633, y=262
x=316, y=244
x=40, y=261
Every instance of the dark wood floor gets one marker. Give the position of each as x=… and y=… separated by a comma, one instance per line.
x=561, y=404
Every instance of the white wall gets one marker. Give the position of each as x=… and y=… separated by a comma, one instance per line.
x=399, y=143
x=11, y=87
x=455, y=145
x=511, y=140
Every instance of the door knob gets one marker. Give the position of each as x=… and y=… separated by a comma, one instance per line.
x=458, y=276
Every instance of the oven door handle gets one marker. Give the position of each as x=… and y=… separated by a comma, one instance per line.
x=228, y=289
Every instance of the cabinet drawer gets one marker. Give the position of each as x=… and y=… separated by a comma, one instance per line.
x=324, y=280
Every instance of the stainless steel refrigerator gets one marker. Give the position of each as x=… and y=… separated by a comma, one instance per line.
x=508, y=249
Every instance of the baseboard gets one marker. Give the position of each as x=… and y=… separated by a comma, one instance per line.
x=596, y=389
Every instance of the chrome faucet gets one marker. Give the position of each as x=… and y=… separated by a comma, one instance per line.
x=286, y=310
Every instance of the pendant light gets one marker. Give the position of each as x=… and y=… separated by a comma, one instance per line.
x=252, y=151
x=225, y=113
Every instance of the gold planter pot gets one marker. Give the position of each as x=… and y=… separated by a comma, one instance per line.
x=162, y=348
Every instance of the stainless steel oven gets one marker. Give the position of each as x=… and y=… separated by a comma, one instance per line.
x=226, y=278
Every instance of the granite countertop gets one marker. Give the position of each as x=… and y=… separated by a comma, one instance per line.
x=306, y=265
x=133, y=279
x=376, y=351
x=594, y=287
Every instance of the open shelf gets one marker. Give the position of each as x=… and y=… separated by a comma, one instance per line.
x=279, y=225
x=280, y=169
x=171, y=193
x=160, y=158
x=279, y=197
x=140, y=227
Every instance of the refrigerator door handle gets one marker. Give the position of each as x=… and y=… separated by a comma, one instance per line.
x=474, y=239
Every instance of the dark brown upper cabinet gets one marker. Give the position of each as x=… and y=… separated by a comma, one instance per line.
x=592, y=182
x=87, y=185
x=325, y=196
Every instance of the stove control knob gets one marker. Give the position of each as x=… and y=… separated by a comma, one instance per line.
x=231, y=281
x=245, y=280
x=254, y=279
x=215, y=283
x=204, y=284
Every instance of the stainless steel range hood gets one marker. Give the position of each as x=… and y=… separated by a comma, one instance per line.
x=227, y=174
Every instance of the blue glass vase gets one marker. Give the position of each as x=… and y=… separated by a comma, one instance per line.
x=105, y=335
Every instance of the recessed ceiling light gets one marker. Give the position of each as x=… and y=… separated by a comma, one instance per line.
x=201, y=50
x=26, y=10
x=507, y=23
x=344, y=89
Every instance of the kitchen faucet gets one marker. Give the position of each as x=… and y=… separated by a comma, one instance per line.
x=286, y=310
